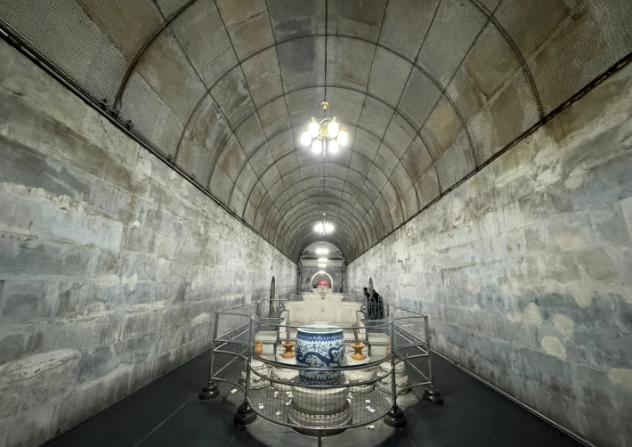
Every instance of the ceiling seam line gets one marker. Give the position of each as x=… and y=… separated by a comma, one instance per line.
x=241, y=68
x=434, y=16
x=555, y=112
x=295, y=151
x=14, y=39
x=297, y=234
x=368, y=82
x=425, y=72
x=316, y=87
x=343, y=191
x=287, y=108
x=515, y=49
x=141, y=52
x=211, y=95
x=464, y=124
x=334, y=189
x=184, y=129
x=311, y=36
x=309, y=178
x=303, y=243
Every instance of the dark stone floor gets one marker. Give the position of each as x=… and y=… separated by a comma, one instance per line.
x=168, y=413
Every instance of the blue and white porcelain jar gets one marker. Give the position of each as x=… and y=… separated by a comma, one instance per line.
x=319, y=345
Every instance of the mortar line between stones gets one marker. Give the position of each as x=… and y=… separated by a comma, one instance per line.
x=162, y=423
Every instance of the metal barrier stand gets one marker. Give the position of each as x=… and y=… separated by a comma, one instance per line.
x=319, y=410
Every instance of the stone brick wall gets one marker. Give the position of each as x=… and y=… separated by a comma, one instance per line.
x=111, y=265
x=526, y=268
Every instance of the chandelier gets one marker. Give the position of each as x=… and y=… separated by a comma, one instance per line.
x=321, y=250
x=326, y=135
x=324, y=227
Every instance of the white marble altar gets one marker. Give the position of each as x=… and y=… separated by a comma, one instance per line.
x=257, y=381
x=322, y=306
x=401, y=379
x=284, y=374
x=359, y=375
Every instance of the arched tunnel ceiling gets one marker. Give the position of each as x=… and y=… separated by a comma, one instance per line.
x=429, y=90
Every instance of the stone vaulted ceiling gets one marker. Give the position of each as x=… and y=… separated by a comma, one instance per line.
x=429, y=89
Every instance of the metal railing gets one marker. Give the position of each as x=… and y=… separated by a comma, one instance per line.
x=366, y=392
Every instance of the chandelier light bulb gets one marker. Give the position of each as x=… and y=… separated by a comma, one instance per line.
x=323, y=228
x=333, y=128
x=306, y=138
x=322, y=266
x=317, y=146
x=321, y=251
x=333, y=146
x=313, y=128
x=343, y=138
x=323, y=259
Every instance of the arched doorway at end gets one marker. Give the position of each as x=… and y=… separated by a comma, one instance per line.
x=322, y=272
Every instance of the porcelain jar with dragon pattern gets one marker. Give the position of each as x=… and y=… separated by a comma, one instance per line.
x=319, y=346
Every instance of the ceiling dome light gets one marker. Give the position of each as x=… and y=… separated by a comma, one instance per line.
x=306, y=138
x=314, y=128
x=321, y=251
x=323, y=228
x=333, y=128
x=343, y=137
x=317, y=146
x=333, y=146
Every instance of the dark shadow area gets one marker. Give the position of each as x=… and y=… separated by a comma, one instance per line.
x=168, y=413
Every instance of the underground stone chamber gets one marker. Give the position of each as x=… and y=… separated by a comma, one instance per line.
x=153, y=173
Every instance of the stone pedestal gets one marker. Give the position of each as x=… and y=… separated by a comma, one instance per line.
x=269, y=339
x=378, y=343
x=256, y=382
x=359, y=375
x=317, y=408
x=401, y=379
x=285, y=374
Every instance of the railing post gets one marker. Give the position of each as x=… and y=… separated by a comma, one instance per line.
x=395, y=417
x=210, y=390
x=245, y=414
x=430, y=393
